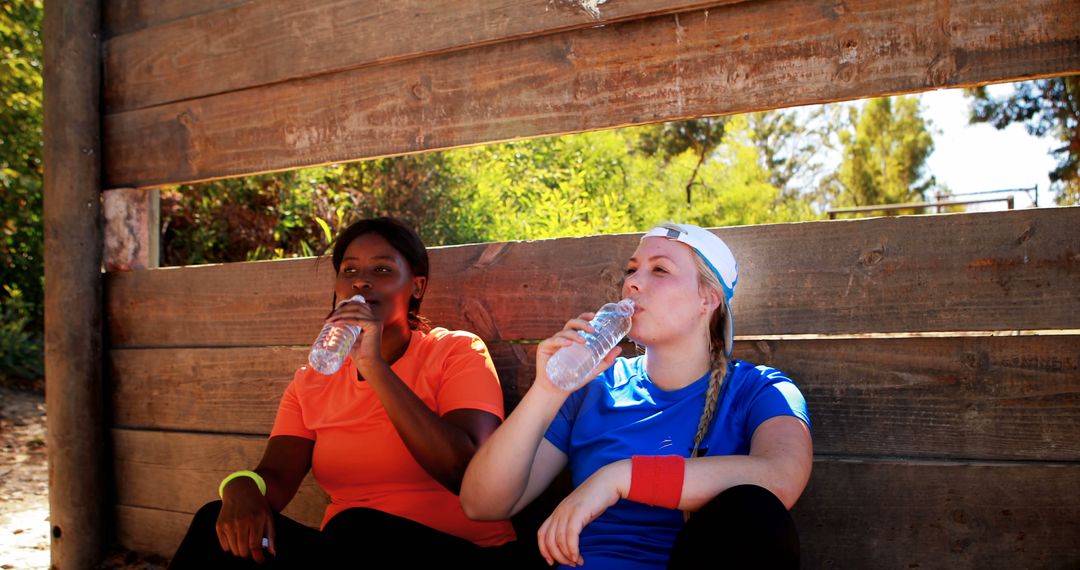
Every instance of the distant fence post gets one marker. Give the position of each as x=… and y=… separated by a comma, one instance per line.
x=73, y=289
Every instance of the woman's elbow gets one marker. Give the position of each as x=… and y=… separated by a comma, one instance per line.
x=789, y=496
x=479, y=504
x=479, y=510
x=789, y=489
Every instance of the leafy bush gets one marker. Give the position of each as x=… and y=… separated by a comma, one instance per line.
x=21, y=232
x=21, y=350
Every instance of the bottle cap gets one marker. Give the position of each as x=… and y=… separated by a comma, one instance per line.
x=358, y=298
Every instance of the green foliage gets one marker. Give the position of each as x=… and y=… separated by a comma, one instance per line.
x=667, y=140
x=884, y=155
x=297, y=213
x=1046, y=107
x=618, y=181
x=21, y=353
x=21, y=233
x=611, y=181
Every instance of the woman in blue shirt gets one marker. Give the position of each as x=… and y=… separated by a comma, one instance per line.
x=677, y=456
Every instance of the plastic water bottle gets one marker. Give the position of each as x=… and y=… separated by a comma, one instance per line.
x=569, y=367
x=334, y=343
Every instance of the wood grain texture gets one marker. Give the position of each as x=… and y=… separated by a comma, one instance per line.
x=126, y=16
x=150, y=531
x=73, y=331
x=182, y=471
x=250, y=44
x=961, y=398
x=237, y=390
x=853, y=514
x=1017, y=270
x=907, y=514
x=742, y=57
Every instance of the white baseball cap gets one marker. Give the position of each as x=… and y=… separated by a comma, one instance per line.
x=716, y=255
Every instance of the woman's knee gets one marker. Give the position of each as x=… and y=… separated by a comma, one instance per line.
x=748, y=523
x=751, y=499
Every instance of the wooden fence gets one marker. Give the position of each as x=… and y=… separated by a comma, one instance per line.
x=947, y=445
x=944, y=392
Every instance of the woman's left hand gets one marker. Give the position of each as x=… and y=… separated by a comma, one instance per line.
x=558, y=536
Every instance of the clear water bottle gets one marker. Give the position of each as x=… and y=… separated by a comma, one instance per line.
x=334, y=343
x=569, y=367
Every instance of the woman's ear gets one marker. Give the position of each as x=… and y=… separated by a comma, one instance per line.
x=419, y=286
x=710, y=300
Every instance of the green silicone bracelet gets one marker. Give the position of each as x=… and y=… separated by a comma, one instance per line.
x=250, y=474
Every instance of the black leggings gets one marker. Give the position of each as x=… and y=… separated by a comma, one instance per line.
x=743, y=527
x=354, y=538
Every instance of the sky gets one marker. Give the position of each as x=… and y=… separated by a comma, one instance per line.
x=976, y=158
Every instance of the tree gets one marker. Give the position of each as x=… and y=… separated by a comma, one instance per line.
x=884, y=152
x=791, y=143
x=674, y=138
x=22, y=240
x=1044, y=107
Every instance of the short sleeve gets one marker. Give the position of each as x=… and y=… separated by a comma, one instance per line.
x=290, y=417
x=469, y=377
x=558, y=433
x=778, y=396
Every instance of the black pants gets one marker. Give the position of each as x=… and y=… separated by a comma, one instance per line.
x=355, y=538
x=743, y=527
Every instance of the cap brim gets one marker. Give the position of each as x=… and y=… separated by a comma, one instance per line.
x=729, y=331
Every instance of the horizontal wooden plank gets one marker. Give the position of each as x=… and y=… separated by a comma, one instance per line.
x=150, y=531
x=176, y=471
x=970, y=398
x=742, y=57
x=967, y=398
x=1014, y=270
x=237, y=390
x=865, y=514
x=892, y=514
x=259, y=43
x=125, y=16
x=211, y=390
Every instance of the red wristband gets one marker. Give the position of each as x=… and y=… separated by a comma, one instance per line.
x=657, y=480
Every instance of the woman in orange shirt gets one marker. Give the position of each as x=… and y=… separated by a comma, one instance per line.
x=388, y=436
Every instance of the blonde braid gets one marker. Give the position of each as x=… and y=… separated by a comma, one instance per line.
x=712, y=394
x=719, y=364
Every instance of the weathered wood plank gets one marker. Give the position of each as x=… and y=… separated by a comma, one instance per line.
x=742, y=57
x=150, y=531
x=126, y=16
x=259, y=43
x=865, y=514
x=223, y=390
x=181, y=471
x=966, y=398
x=237, y=390
x=893, y=514
x=1013, y=270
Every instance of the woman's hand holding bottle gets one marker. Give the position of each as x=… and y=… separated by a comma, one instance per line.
x=578, y=338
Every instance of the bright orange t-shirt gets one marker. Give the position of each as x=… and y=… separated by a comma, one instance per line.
x=359, y=458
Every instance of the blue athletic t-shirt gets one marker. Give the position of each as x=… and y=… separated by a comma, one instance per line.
x=622, y=413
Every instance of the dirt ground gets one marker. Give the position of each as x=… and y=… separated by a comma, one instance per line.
x=24, y=486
